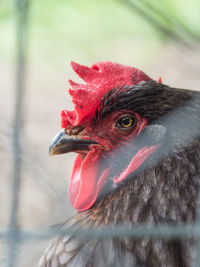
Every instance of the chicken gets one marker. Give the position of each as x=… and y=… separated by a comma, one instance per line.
x=138, y=154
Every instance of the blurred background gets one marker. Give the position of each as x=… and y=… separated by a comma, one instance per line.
x=38, y=41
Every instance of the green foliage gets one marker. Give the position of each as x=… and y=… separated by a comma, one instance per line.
x=5, y=10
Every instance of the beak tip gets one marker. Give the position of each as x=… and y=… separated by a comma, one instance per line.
x=51, y=151
x=63, y=143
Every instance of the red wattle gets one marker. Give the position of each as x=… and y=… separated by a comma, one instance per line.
x=84, y=183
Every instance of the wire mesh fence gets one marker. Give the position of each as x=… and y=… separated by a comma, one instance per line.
x=21, y=31
x=15, y=235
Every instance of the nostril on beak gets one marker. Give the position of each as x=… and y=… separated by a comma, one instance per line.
x=75, y=131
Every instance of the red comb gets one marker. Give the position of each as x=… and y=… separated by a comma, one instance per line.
x=99, y=79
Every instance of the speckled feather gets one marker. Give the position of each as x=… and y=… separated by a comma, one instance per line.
x=165, y=191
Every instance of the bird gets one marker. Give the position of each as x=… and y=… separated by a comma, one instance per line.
x=138, y=162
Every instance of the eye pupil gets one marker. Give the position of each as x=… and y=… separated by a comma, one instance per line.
x=126, y=121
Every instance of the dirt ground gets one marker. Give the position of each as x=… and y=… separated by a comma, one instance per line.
x=44, y=181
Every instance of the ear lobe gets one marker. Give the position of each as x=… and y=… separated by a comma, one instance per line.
x=137, y=161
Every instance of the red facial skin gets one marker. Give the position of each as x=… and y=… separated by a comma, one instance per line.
x=108, y=135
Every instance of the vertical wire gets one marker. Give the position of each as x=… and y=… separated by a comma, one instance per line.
x=21, y=9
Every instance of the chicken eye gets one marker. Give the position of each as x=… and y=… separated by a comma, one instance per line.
x=125, y=122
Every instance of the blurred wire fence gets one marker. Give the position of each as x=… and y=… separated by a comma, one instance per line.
x=14, y=235
x=21, y=8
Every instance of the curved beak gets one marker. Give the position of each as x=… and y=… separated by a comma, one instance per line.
x=64, y=143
